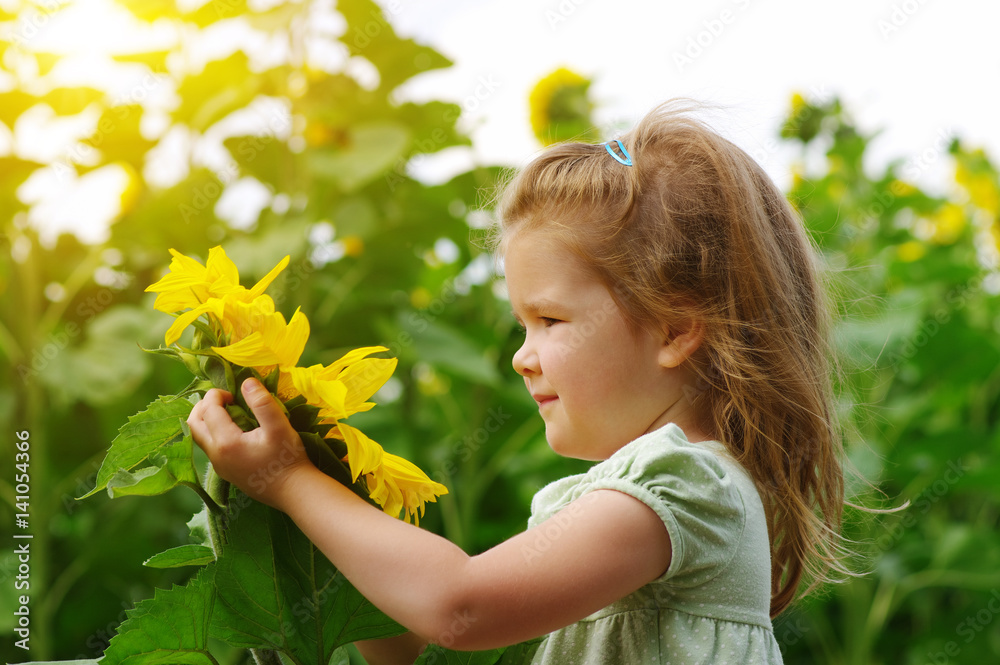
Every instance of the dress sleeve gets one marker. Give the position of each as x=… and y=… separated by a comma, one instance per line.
x=692, y=491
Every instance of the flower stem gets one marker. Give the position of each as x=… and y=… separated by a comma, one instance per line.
x=217, y=494
x=207, y=498
x=266, y=657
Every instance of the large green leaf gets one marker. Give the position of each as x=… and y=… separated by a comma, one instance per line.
x=370, y=150
x=155, y=60
x=108, y=365
x=64, y=101
x=151, y=10
x=266, y=158
x=212, y=12
x=445, y=347
x=170, y=466
x=118, y=138
x=222, y=87
x=152, y=439
x=512, y=655
x=370, y=34
x=277, y=591
x=13, y=103
x=169, y=629
x=63, y=662
x=13, y=172
x=185, y=555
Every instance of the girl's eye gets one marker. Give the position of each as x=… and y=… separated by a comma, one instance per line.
x=548, y=320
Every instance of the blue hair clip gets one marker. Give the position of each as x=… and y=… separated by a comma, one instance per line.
x=628, y=158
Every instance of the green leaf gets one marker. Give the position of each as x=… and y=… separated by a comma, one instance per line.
x=266, y=158
x=150, y=435
x=46, y=61
x=70, y=101
x=155, y=60
x=277, y=591
x=179, y=216
x=13, y=172
x=118, y=138
x=450, y=350
x=512, y=655
x=151, y=10
x=222, y=87
x=212, y=12
x=199, y=528
x=165, y=472
x=370, y=34
x=63, y=662
x=13, y=103
x=169, y=629
x=107, y=366
x=370, y=150
x=185, y=555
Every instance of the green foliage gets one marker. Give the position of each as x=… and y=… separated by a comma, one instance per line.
x=520, y=653
x=182, y=555
x=276, y=590
x=170, y=628
x=150, y=455
x=916, y=332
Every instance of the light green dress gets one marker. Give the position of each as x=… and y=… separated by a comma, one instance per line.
x=712, y=604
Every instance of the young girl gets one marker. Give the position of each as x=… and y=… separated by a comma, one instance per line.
x=674, y=334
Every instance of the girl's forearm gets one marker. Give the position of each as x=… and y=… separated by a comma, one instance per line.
x=412, y=575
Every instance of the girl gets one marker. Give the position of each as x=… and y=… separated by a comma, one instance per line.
x=675, y=334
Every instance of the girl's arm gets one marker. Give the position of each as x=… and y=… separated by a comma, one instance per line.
x=598, y=549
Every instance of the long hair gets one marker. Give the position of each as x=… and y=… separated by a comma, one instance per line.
x=696, y=230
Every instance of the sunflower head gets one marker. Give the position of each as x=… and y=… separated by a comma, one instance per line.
x=561, y=108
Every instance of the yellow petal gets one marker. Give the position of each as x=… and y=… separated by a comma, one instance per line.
x=363, y=379
x=180, y=299
x=248, y=352
x=213, y=306
x=413, y=486
x=363, y=454
x=268, y=278
x=243, y=317
x=181, y=268
x=286, y=386
x=307, y=381
x=182, y=287
x=351, y=357
x=259, y=336
x=220, y=268
x=293, y=338
x=384, y=492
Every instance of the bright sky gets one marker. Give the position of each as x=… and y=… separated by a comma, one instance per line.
x=918, y=70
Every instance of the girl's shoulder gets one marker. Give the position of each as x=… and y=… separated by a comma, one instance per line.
x=663, y=462
x=704, y=497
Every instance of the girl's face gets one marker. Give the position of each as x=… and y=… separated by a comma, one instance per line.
x=598, y=385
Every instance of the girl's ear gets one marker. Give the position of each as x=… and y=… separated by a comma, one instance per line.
x=682, y=345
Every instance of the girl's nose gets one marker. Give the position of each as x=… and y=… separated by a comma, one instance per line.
x=525, y=361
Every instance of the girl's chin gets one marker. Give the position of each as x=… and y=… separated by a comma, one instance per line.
x=572, y=449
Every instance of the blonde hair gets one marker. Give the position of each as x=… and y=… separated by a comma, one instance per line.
x=697, y=231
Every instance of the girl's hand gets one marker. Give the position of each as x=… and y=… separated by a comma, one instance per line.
x=260, y=462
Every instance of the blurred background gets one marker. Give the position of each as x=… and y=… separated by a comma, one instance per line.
x=367, y=140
